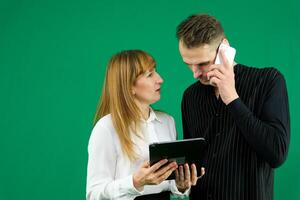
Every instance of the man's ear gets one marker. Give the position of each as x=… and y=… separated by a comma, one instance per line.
x=225, y=41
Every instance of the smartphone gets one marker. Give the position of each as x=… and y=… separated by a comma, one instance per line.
x=229, y=53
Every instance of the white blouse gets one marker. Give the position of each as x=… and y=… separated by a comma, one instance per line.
x=109, y=172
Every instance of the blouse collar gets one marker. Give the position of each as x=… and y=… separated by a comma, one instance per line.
x=152, y=117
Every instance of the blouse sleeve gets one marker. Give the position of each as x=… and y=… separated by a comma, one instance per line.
x=174, y=135
x=102, y=160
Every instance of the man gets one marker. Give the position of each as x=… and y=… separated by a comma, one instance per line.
x=242, y=112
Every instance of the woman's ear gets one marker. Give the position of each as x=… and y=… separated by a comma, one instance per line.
x=133, y=91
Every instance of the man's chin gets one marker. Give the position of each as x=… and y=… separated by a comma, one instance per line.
x=204, y=81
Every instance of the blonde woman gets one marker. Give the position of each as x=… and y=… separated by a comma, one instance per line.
x=125, y=124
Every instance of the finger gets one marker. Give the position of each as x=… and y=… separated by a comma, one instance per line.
x=214, y=81
x=215, y=73
x=194, y=174
x=219, y=67
x=187, y=174
x=202, y=172
x=157, y=165
x=170, y=167
x=181, y=173
x=158, y=177
x=165, y=175
x=146, y=164
x=177, y=175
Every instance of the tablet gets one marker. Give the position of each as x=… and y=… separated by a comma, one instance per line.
x=182, y=151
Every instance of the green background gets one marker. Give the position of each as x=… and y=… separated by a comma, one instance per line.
x=53, y=56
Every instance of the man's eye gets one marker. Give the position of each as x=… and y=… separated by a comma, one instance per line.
x=202, y=65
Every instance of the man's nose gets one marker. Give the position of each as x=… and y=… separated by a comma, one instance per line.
x=196, y=71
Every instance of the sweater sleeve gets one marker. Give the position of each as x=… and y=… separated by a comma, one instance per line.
x=268, y=134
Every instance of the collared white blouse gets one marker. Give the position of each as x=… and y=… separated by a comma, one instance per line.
x=109, y=173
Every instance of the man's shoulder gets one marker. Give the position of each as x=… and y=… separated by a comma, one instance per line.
x=261, y=72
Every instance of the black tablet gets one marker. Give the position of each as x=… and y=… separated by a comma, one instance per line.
x=182, y=151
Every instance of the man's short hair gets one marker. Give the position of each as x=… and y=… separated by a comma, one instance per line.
x=198, y=30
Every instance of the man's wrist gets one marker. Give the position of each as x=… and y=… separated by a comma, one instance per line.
x=231, y=99
x=181, y=189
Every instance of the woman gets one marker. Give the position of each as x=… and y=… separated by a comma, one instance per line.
x=125, y=124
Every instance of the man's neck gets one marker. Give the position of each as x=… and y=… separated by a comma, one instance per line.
x=217, y=93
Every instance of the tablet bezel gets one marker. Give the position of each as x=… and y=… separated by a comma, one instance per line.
x=182, y=151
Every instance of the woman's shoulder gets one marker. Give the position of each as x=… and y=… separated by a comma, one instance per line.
x=163, y=116
x=103, y=135
x=104, y=122
x=103, y=127
x=166, y=125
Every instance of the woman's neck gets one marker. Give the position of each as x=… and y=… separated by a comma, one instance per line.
x=145, y=110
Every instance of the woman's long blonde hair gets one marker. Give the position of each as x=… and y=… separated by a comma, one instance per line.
x=117, y=98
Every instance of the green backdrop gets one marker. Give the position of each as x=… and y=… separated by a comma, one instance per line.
x=53, y=55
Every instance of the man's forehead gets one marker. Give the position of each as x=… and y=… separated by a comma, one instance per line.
x=197, y=55
x=211, y=45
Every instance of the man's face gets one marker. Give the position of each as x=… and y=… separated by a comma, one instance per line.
x=199, y=59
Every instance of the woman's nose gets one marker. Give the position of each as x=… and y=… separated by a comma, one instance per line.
x=159, y=79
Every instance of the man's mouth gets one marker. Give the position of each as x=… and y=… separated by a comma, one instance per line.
x=203, y=76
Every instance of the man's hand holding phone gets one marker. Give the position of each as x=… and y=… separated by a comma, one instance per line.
x=221, y=74
x=228, y=51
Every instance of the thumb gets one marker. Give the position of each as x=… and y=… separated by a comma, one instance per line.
x=146, y=164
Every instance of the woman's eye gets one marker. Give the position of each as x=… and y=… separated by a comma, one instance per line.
x=150, y=74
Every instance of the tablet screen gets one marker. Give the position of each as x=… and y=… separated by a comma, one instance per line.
x=182, y=151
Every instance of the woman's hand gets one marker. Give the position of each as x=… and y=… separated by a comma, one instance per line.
x=185, y=178
x=153, y=175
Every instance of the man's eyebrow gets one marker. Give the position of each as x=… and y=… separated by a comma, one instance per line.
x=199, y=64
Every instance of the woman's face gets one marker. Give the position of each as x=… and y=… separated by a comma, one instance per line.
x=147, y=87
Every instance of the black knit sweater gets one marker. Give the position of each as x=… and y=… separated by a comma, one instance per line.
x=246, y=139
